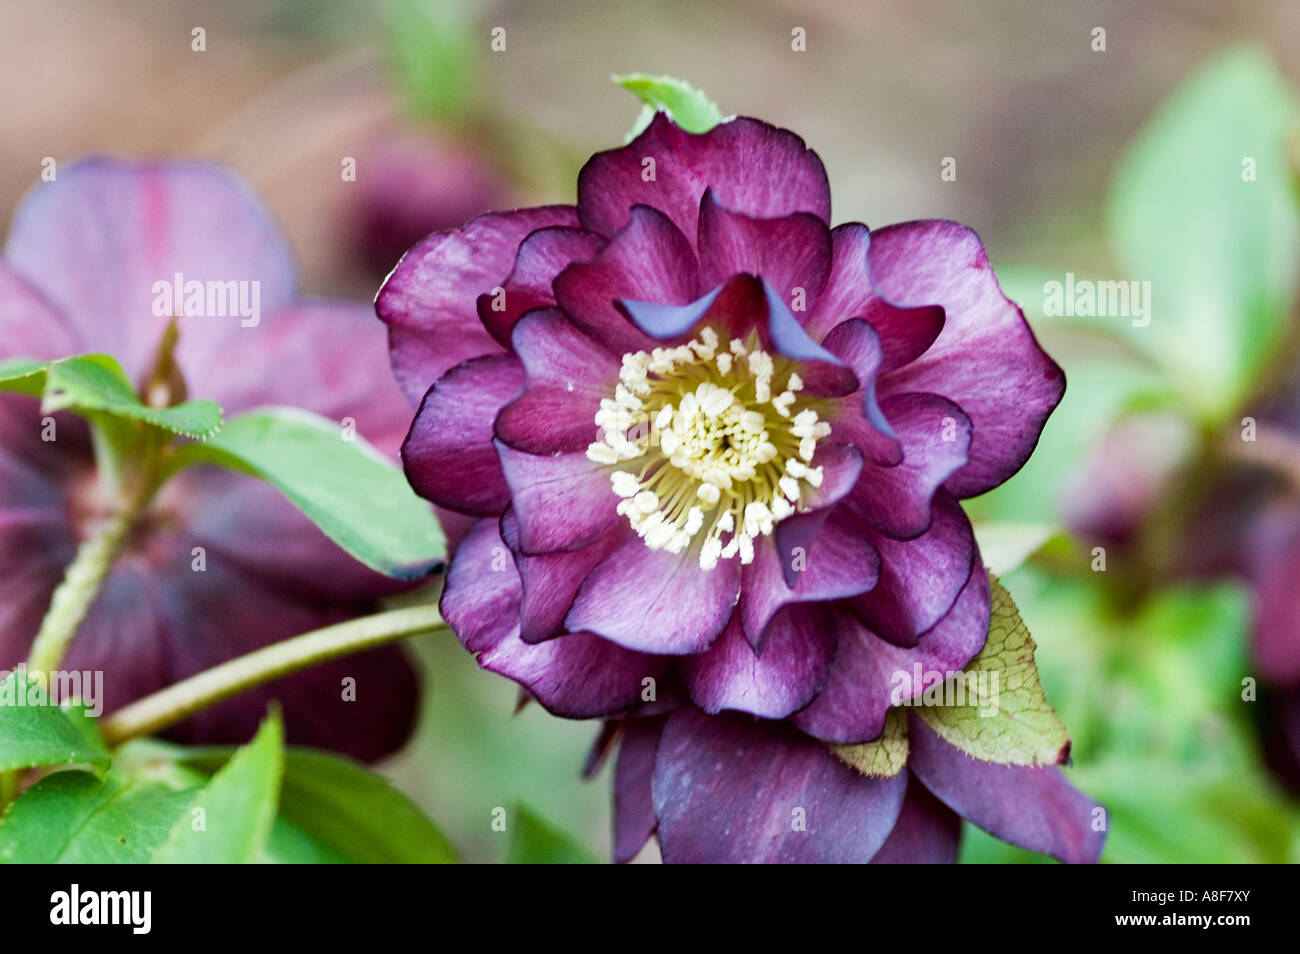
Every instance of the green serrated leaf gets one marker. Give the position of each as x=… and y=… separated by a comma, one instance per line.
x=535, y=841
x=77, y=817
x=33, y=732
x=687, y=106
x=348, y=811
x=1202, y=208
x=96, y=383
x=883, y=758
x=1006, y=717
x=237, y=807
x=358, y=497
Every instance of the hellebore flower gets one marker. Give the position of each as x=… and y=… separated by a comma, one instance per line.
x=79, y=275
x=715, y=449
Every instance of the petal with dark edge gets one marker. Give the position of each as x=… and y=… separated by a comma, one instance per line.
x=578, y=676
x=870, y=674
x=1032, y=808
x=986, y=358
x=655, y=601
x=542, y=256
x=562, y=501
x=733, y=789
x=567, y=374
x=920, y=578
x=649, y=260
x=754, y=168
x=634, y=812
x=430, y=301
x=793, y=665
x=935, y=435
x=449, y=455
x=927, y=832
x=791, y=252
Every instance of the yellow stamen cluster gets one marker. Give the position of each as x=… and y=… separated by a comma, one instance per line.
x=707, y=447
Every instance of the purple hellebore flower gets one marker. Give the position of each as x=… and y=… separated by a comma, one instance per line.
x=78, y=276
x=715, y=449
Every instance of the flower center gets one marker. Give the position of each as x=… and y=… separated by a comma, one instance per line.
x=710, y=445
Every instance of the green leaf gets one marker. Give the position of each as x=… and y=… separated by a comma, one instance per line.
x=24, y=375
x=96, y=383
x=1219, y=251
x=358, y=497
x=349, y=811
x=883, y=758
x=435, y=49
x=1006, y=718
x=33, y=732
x=238, y=806
x=687, y=106
x=76, y=817
x=1006, y=544
x=534, y=841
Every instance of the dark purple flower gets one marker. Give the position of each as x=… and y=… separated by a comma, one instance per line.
x=717, y=449
x=81, y=262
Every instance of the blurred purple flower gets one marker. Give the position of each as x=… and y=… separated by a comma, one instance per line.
x=717, y=447
x=78, y=276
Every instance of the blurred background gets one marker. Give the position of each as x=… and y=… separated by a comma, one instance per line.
x=1146, y=667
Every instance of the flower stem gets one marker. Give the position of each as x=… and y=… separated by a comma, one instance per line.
x=171, y=705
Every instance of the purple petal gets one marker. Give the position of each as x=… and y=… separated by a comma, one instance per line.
x=649, y=260
x=731, y=789
x=542, y=256
x=1033, y=808
x=791, y=252
x=870, y=674
x=634, y=812
x=430, y=301
x=567, y=374
x=97, y=240
x=927, y=832
x=905, y=333
x=985, y=359
x=578, y=676
x=754, y=168
x=935, y=435
x=562, y=501
x=656, y=601
x=920, y=578
x=795, y=660
x=855, y=418
x=449, y=455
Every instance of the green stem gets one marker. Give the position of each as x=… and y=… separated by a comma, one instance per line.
x=176, y=702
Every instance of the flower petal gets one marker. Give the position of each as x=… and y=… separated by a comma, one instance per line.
x=795, y=660
x=430, y=301
x=562, y=501
x=732, y=789
x=986, y=359
x=754, y=168
x=634, y=811
x=1033, y=808
x=920, y=578
x=870, y=674
x=541, y=257
x=449, y=454
x=567, y=374
x=927, y=832
x=655, y=601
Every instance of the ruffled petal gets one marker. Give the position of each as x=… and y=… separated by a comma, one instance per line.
x=986, y=359
x=449, y=455
x=732, y=789
x=754, y=168
x=795, y=660
x=562, y=501
x=541, y=257
x=430, y=301
x=567, y=374
x=1032, y=808
x=655, y=601
x=920, y=578
x=855, y=418
x=870, y=675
